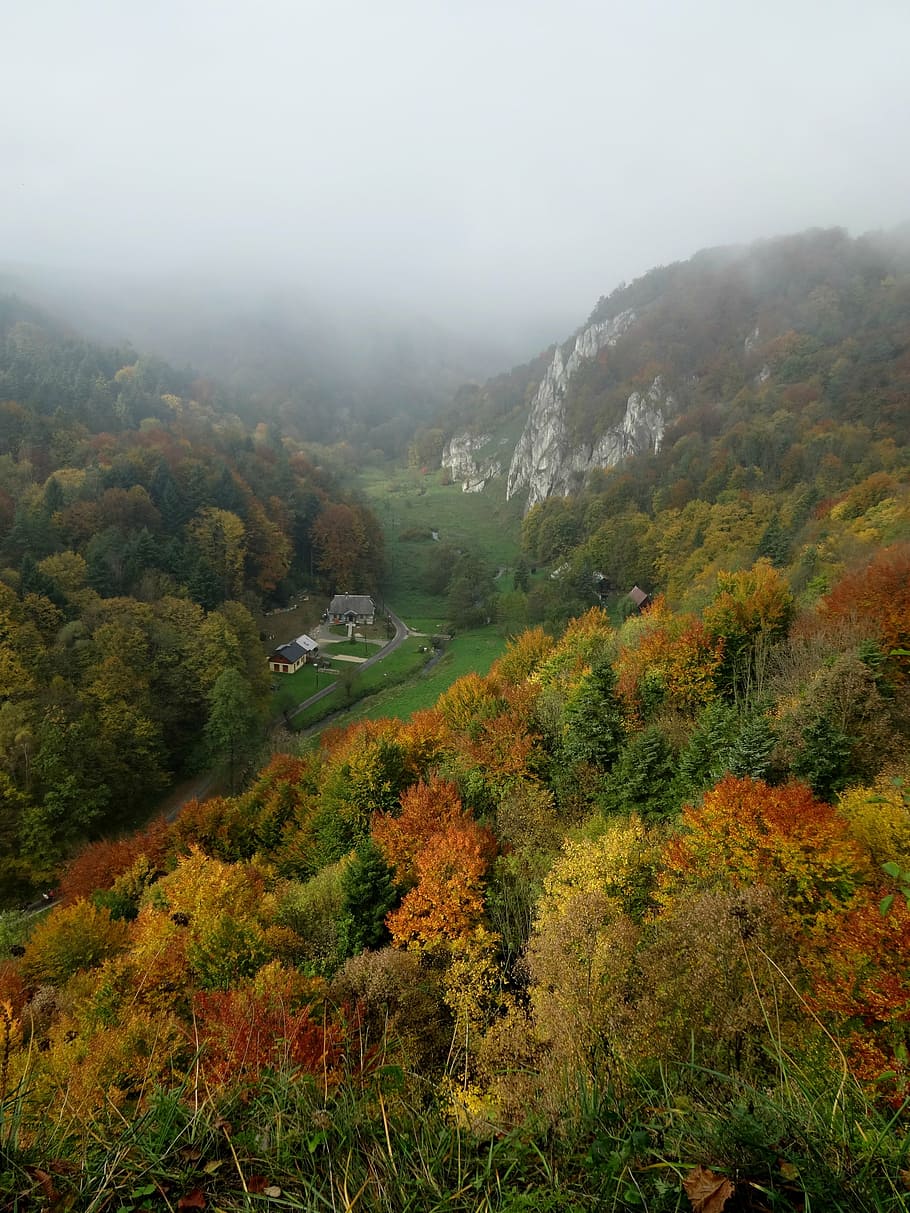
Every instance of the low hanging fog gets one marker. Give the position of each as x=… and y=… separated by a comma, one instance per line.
x=488, y=168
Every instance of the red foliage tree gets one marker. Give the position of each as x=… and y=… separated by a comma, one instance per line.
x=861, y=978
x=262, y=1026
x=877, y=598
x=99, y=864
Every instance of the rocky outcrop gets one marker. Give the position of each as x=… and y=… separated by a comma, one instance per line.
x=459, y=456
x=546, y=462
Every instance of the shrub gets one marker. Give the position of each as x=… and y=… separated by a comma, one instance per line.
x=71, y=938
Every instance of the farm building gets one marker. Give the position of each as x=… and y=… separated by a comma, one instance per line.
x=288, y=658
x=352, y=608
x=641, y=599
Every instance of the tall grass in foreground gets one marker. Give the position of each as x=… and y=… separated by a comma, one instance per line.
x=803, y=1139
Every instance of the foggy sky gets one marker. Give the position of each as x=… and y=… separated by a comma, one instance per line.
x=471, y=158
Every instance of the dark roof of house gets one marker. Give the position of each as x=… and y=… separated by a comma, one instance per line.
x=288, y=652
x=360, y=604
x=638, y=595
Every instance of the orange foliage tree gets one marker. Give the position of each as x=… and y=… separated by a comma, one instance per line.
x=436, y=844
x=99, y=864
x=448, y=898
x=674, y=661
x=747, y=833
x=503, y=743
x=878, y=597
x=426, y=808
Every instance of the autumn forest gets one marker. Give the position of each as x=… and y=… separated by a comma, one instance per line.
x=622, y=921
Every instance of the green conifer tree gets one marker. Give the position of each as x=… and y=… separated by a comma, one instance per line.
x=593, y=730
x=642, y=781
x=369, y=894
x=824, y=761
x=750, y=753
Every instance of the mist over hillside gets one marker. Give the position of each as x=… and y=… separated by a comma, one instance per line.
x=327, y=368
x=811, y=325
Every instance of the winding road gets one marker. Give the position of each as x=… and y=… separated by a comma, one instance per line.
x=198, y=787
x=402, y=632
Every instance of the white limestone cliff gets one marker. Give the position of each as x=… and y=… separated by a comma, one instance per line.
x=459, y=456
x=546, y=462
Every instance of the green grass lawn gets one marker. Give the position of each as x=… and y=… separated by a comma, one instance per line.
x=404, y=663
x=292, y=689
x=471, y=651
x=351, y=648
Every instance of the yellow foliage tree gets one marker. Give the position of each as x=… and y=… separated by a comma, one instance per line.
x=220, y=538
x=879, y=818
x=620, y=865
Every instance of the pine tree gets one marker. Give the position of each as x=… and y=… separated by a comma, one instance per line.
x=642, y=780
x=750, y=754
x=521, y=578
x=705, y=757
x=593, y=730
x=825, y=758
x=774, y=544
x=369, y=894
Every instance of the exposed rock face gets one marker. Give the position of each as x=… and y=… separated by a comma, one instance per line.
x=459, y=457
x=545, y=460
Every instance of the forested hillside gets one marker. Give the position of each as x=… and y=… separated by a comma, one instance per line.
x=141, y=524
x=625, y=917
x=323, y=369
x=788, y=367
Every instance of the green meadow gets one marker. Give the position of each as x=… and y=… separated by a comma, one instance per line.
x=291, y=689
x=406, y=500
x=356, y=683
x=469, y=652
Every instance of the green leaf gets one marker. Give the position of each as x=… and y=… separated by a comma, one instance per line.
x=892, y=868
x=886, y=903
x=314, y=1141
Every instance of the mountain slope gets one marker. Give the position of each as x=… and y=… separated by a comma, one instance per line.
x=803, y=329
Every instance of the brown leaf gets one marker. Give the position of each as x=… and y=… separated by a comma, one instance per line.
x=62, y=1166
x=905, y=1176
x=256, y=1184
x=47, y=1184
x=192, y=1200
x=707, y=1191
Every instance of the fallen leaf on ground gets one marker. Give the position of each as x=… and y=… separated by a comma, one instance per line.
x=707, y=1191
